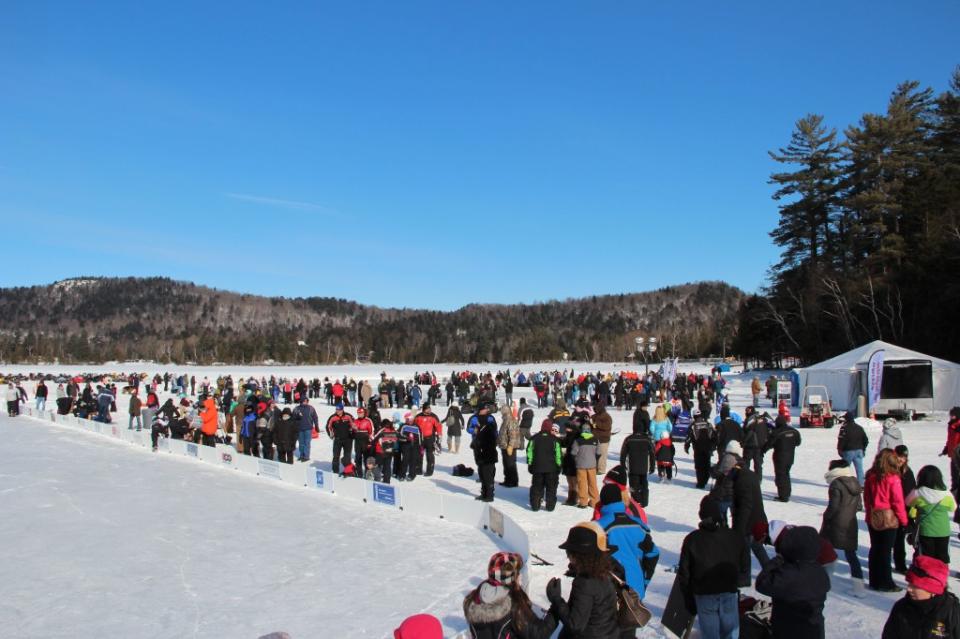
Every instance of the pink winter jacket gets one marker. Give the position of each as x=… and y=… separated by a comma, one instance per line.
x=884, y=492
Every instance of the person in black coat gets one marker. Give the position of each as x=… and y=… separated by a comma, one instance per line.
x=755, y=434
x=591, y=610
x=852, y=444
x=727, y=430
x=641, y=418
x=710, y=561
x=783, y=441
x=797, y=584
x=285, y=435
x=908, y=482
x=485, y=450
x=544, y=457
x=929, y=609
x=636, y=455
x=748, y=517
x=702, y=437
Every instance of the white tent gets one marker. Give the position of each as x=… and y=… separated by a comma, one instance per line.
x=845, y=377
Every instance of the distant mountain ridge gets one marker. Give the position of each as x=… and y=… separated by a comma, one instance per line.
x=96, y=319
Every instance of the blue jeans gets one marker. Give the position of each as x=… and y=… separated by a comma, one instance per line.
x=132, y=419
x=41, y=403
x=855, y=570
x=303, y=441
x=855, y=457
x=718, y=615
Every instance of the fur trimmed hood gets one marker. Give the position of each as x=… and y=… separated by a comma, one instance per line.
x=487, y=604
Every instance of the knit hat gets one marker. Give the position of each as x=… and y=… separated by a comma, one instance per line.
x=339, y=406
x=587, y=538
x=710, y=511
x=928, y=573
x=504, y=567
x=616, y=475
x=610, y=494
x=419, y=627
x=546, y=426
x=361, y=411
x=733, y=446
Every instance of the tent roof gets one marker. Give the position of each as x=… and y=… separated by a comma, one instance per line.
x=851, y=360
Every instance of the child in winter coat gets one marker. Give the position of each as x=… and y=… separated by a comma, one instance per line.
x=928, y=610
x=797, y=584
x=664, y=452
x=584, y=452
x=499, y=607
x=931, y=507
x=839, y=525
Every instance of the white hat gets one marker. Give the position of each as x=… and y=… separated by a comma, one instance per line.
x=733, y=446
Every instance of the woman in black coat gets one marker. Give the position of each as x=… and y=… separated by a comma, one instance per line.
x=591, y=610
x=797, y=584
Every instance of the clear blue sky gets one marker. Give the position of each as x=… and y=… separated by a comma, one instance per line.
x=426, y=154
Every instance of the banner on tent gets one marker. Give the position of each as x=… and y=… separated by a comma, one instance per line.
x=874, y=379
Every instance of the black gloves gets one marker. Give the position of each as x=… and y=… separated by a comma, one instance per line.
x=553, y=592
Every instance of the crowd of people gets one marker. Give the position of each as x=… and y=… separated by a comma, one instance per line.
x=389, y=431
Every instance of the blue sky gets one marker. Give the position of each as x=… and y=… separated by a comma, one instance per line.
x=426, y=154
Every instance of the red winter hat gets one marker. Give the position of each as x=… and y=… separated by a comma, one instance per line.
x=419, y=627
x=546, y=426
x=928, y=573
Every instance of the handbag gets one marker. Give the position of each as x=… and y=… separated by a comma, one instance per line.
x=883, y=519
x=631, y=613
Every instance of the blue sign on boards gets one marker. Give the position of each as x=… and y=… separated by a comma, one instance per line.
x=319, y=479
x=192, y=450
x=384, y=494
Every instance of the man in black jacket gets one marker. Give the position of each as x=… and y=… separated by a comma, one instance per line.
x=710, y=561
x=543, y=461
x=852, y=442
x=641, y=418
x=727, y=430
x=636, y=455
x=525, y=415
x=484, y=447
x=797, y=584
x=702, y=437
x=748, y=517
x=755, y=434
x=783, y=441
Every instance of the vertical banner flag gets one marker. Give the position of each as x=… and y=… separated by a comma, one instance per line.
x=874, y=379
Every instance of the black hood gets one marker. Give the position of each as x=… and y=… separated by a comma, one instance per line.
x=800, y=543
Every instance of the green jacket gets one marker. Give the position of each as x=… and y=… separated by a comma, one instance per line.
x=933, y=510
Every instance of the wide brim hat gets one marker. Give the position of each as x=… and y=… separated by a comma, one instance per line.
x=587, y=538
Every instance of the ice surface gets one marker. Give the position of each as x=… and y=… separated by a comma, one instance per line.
x=99, y=538
x=445, y=562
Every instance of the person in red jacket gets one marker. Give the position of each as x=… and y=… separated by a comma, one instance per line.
x=337, y=392
x=953, y=432
x=431, y=430
x=362, y=436
x=882, y=490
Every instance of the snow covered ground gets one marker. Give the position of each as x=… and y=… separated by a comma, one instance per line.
x=99, y=538
x=445, y=570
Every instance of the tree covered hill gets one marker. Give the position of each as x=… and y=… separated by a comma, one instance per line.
x=93, y=319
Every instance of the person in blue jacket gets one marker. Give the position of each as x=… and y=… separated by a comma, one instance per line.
x=660, y=424
x=636, y=553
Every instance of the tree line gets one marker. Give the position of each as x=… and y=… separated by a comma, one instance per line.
x=116, y=319
x=870, y=234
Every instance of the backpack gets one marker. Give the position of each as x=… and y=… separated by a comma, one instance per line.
x=462, y=471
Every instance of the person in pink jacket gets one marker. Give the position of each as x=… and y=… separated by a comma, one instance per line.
x=882, y=490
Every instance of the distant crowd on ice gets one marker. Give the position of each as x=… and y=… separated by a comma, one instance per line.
x=612, y=557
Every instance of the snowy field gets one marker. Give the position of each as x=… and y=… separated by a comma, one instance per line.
x=146, y=503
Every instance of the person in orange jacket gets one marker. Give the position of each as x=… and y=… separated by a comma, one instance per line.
x=209, y=417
